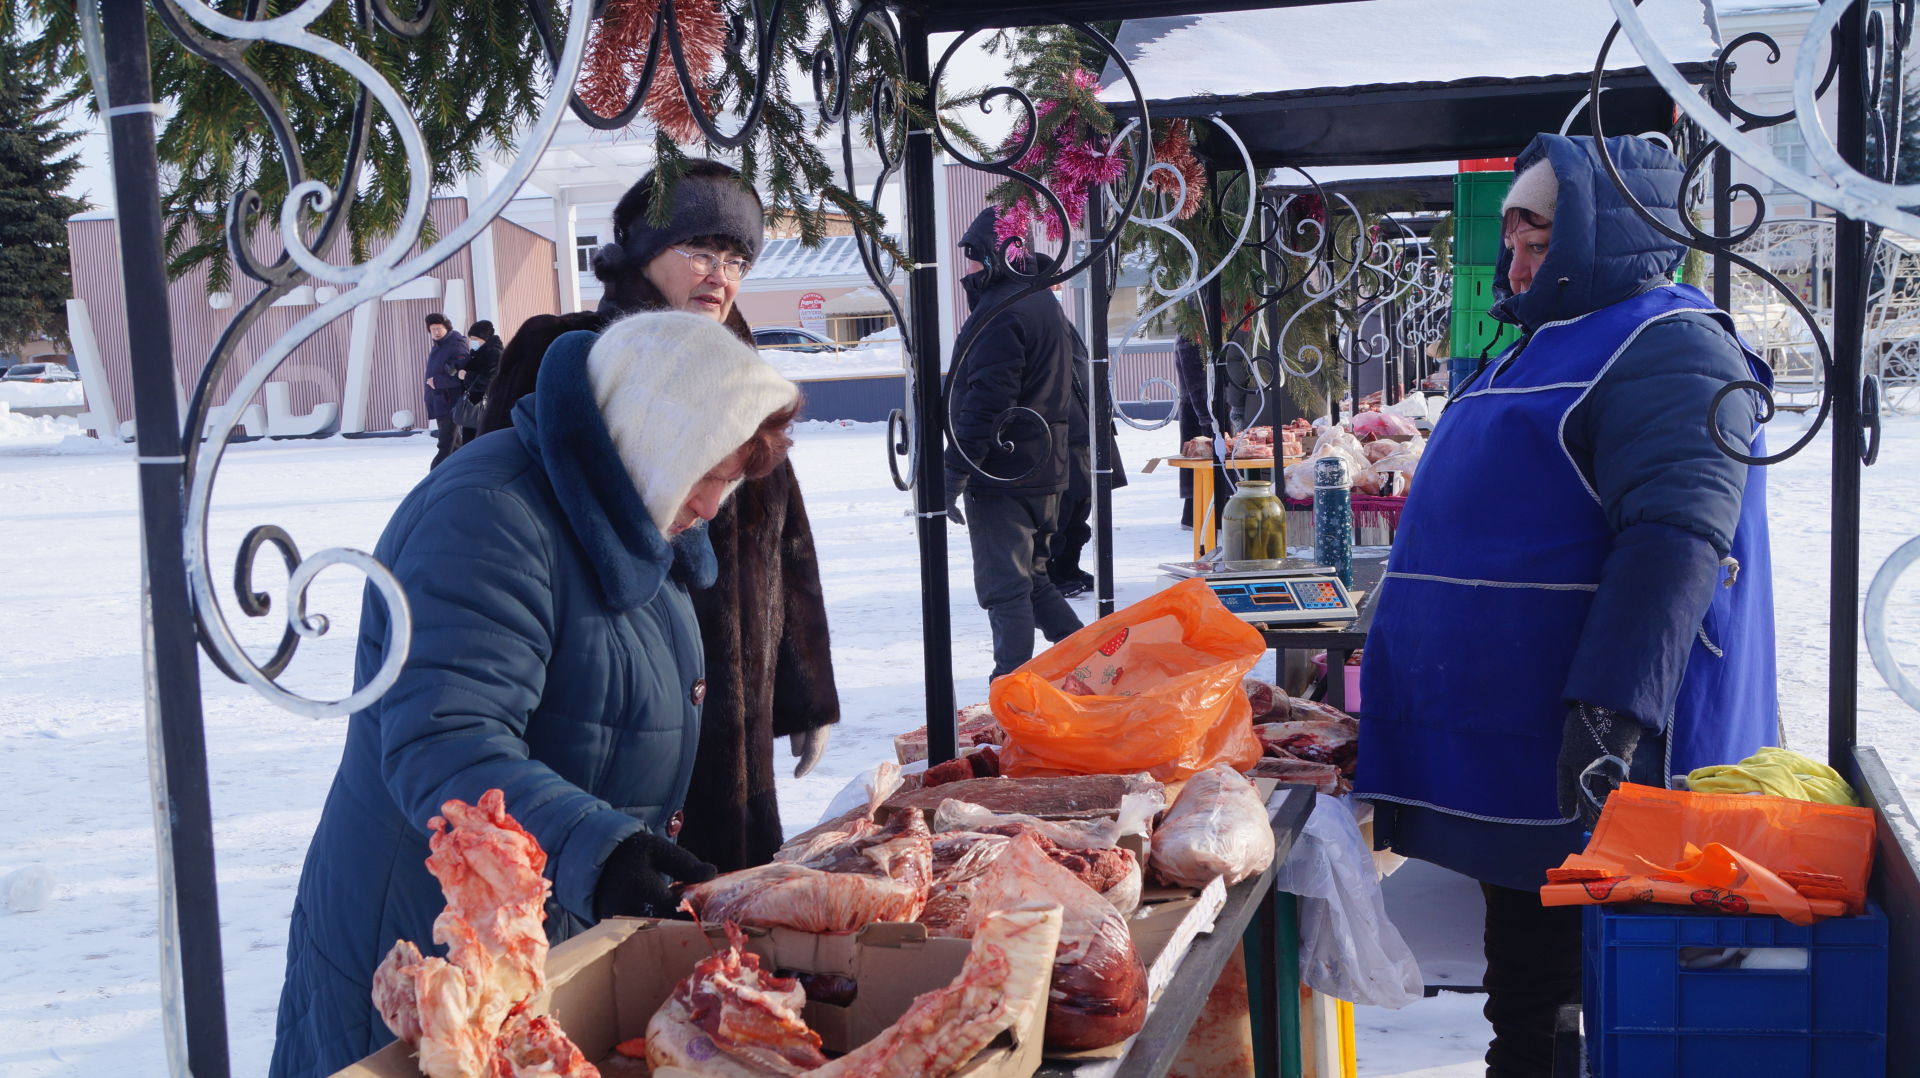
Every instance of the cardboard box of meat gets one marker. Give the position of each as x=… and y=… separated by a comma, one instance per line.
x=607, y=984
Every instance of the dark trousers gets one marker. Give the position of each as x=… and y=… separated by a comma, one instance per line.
x=1071, y=537
x=1010, y=536
x=443, y=440
x=1533, y=967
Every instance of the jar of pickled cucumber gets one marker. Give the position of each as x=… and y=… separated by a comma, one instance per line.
x=1253, y=526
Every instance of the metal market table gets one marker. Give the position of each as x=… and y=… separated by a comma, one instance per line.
x=1265, y=919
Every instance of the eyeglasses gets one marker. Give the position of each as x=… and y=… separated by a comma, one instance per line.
x=704, y=264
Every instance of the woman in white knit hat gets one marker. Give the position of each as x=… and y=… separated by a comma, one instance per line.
x=554, y=656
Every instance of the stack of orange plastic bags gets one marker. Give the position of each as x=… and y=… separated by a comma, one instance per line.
x=1735, y=853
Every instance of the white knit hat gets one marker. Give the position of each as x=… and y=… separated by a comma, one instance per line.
x=680, y=393
x=1537, y=189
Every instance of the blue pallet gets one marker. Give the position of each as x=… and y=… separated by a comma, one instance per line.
x=1646, y=1016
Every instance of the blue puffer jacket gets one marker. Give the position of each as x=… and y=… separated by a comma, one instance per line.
x=1619, y=461
x=554, y=656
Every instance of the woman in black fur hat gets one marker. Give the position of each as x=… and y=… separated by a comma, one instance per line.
x=764, y=623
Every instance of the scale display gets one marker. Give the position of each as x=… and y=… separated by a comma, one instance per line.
x=1294, y=600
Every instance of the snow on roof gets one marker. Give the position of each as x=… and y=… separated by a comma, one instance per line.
x=788, y=259
x=1326, y=46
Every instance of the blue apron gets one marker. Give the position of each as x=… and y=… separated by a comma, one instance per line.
x=1496, y=562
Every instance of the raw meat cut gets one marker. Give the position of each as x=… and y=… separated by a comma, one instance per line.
x=811, y=844
x=1217, y=827
x=881, y=875
x=977, y=726
x=1057, y=797
x=1099, y=993
x=452, y=1009
x=1197, y=448
x=1325, y=778
x=1264, y=696
x=1316, y=741
x=533, y=1046
x=730, y=1018
x=1004, y=980
x=1133, y=816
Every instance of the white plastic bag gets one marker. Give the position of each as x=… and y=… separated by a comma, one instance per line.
x=1348, y=948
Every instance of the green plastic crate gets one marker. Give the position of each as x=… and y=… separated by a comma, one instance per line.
x=1476, y=333
x=1472, y=288
x=1479, y=194
x=1476, y=240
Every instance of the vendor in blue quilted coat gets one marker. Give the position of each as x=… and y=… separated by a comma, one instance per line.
x=554, y=656
x=1580, y=592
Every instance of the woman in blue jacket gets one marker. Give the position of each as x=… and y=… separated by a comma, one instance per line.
x=1580, y=592
x=554, y=656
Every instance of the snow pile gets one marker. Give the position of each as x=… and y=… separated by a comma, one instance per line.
x=27, y=889
x=861, y=361
x=20, y=431
x=41, y=394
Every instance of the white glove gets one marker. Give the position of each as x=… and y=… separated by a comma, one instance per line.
x=808, y=746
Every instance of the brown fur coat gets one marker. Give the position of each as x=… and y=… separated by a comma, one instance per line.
x=764, y=628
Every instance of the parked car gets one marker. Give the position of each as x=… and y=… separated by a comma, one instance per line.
x=793, y=339
x=38, y=372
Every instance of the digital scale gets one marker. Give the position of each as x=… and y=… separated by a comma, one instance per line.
x=1288, y=592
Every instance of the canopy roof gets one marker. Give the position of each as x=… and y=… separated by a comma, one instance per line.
x=1469, y=78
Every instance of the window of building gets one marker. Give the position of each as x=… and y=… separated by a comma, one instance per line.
x=583, y=248
x=1790, y=146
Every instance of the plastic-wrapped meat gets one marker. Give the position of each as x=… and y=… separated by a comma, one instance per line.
x=1099, y=993
x=853, y=826
x=1383, y=425
x=1217, y=827
x=732, y=1019
x=882, y=875
x=959, y=857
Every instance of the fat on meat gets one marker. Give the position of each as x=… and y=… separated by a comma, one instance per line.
x=883, y=875
x=1004, y=980
x=1217, y=827
x=814, y=844
x=731, y=1018
x=534, y=1046
x=1099, y=993
x=452, y=1009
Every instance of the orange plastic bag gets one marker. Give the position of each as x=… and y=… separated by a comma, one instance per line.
x=1154, y=687
x=1739, y=853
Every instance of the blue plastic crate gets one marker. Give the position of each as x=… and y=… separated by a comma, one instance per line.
x=1649, y=1015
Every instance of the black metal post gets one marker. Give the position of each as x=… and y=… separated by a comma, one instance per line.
x=192, y=992
x=1849, y=324
x=1722, y=225
x=1100, y=404
x=929, y=416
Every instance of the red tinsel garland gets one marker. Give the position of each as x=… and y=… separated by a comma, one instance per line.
x=1175, y=148
x=617, y=54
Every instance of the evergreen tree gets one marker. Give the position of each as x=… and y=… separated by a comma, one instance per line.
x=34, y=168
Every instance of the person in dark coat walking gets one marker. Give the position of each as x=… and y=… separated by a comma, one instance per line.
x=483, y=358
x=1580, y=591
x=1012, y=403
x=554, y=656
x=445, y=356
x=764, y=624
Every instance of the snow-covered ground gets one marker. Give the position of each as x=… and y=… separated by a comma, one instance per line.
x=78, y=988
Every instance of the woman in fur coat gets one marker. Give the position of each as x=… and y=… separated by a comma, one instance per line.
x=764, y=623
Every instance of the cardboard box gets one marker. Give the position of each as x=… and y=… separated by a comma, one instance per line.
x=605, y=985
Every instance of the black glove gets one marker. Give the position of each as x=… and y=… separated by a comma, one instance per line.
x=633, y=882
x=953, y=509
x=1596, y=747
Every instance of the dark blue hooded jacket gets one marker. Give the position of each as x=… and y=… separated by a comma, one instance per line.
x=1640, y=440
x=554, y=655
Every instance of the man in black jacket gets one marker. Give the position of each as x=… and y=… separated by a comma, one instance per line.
x=1011, y=402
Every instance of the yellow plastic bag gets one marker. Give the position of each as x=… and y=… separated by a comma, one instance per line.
x=1778, y=772
x=1154, y=687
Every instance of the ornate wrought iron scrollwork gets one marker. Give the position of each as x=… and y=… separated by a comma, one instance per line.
x=1693, y=236
x=222, y=40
